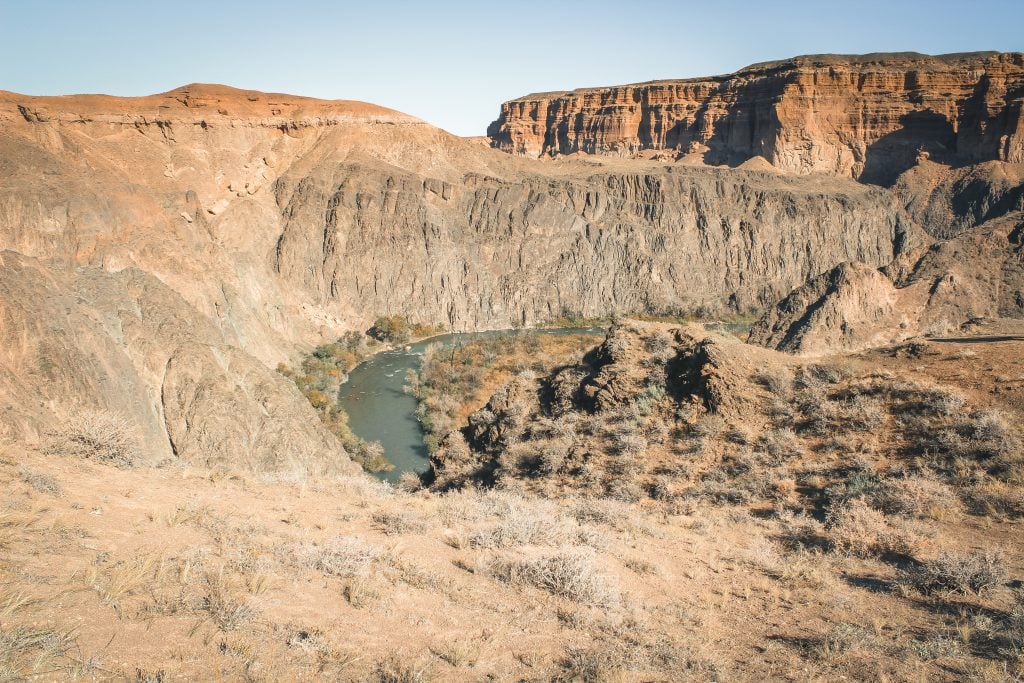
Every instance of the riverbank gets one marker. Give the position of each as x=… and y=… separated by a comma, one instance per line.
x=379, y=408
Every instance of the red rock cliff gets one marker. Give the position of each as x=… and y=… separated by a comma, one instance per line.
x=867, y=116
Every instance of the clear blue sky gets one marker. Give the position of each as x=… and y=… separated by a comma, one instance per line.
x=453, y=63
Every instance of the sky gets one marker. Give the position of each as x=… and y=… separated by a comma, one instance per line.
x=454, y=63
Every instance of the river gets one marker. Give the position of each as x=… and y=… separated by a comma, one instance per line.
x=379, y=409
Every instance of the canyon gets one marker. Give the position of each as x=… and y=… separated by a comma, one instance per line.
x=262, y=224
x=649, y=492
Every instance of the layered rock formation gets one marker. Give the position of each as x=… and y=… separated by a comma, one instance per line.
x=866, y=117
x=935, y=290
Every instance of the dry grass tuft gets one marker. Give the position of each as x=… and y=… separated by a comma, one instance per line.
x=225, y=602
x=345, y=557
x=40, y=482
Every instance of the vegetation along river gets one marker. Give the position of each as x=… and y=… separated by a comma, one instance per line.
x=379, y=409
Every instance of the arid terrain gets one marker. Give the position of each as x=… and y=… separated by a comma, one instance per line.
x=793, y=452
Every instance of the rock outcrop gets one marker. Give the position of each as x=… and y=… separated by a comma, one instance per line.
x=866, y=116
x=935, y=290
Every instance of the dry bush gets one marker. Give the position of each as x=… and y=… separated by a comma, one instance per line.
x=992, y=435
x=856, y=528
x=916, y=497
x=514, y=520
x=40, y=482
x=343, y=556
x=995, y=498
x=842, y=639
x=957, y=572
x=777, y=382
x=780, y=445
x=96, y=435
x=409, y=482
x=399, y=522
x=936, y=647
x=394, y=669
x=568, y=574
x=591, y=664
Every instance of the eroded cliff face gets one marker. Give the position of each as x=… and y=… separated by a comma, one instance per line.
x=866, y=117
x=934, y=290
x=491, y=251
x=124, y=343
x=285, y=221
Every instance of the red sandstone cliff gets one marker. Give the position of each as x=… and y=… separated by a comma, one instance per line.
x=867, y=116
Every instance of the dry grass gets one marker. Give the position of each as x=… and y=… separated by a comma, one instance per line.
x=225, y=601
x=116, y=582
x=344, y=556
x=858, y=529
x=40, y=482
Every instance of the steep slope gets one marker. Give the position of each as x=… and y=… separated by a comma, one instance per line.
x=123, y=343
x=977, y=275
x=863, y=116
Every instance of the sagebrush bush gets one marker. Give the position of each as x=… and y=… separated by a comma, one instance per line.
x=995, y=498
x=99, y=435
x=916, y=497
x=957, y=572
x=343, y=556
x=569, y=574
x=856, y=528
x=780, y=445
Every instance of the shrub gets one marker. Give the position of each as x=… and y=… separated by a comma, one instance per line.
x=96, y=435
x=777, y=382
x=841, y=639
x=42, y=483
x=856, y=528
x=409, y=482
x=995, y=499
x=521, y=521
x=393, y=523
x=568, y=574
x=957, y=572
x=916, y=497
x=991, y=434
x=394, y=329
x=394, y=670
x=343, y=556
x=781, y=444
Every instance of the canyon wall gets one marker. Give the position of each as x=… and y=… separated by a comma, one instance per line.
x=867, y=117
x=933, y=290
